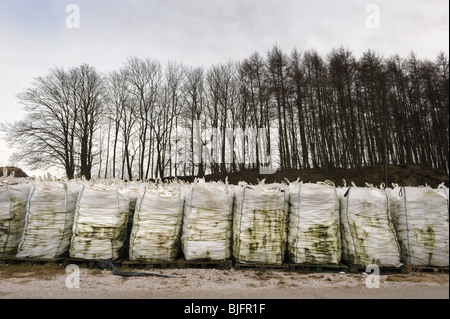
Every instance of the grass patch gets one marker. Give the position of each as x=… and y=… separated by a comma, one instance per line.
x=28, y=270
x=417, y=278
x=266, y=275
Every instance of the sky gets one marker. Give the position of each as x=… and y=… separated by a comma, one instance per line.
x=36, y=36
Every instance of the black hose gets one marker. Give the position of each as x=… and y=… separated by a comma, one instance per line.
x=107, y=263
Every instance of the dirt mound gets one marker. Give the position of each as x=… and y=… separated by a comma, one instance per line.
x=404, y=175
x=17, y=171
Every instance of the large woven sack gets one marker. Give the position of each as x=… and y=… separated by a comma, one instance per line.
x=420, y=216
x=314, y=235
x=260, y=224
x=49, y=219
x=100, y=222
x=368, y=235
x=13, y=202
x=207, y=221
x=157, y=222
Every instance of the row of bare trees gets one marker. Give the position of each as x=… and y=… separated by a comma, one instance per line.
x=282, y=110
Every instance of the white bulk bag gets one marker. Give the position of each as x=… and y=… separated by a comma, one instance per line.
x=260, y=224
x=313, y=226
x=13, y=202
x=49, y=219
x=444, y=190
x=368, y=235
x=100, y=222
x=156, y=224
x=420, y=216
x=207, y=221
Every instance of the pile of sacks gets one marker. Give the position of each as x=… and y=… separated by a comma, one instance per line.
x=303, y=223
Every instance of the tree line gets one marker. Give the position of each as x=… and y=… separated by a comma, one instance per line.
x=280, y=110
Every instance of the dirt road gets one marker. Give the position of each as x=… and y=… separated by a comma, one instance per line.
x=220, y=284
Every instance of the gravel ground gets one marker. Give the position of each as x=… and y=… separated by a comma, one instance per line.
x=221, y=284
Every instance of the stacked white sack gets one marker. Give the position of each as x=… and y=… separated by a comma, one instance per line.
x=100, y=222
x=420, y=216
x=313, y=226
x=13, y=203
x=260, y=224
x=49, y=219
x=156, y=224
x=368, y=235
x=207, y=221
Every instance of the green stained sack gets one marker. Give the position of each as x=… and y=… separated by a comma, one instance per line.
x=100, y=222
x=157, y=223
x=207, y=221
x=314, y=228
x=259, y=225
x=49, y=219
x=368, y=235
x=420, y=217
x=13, y=201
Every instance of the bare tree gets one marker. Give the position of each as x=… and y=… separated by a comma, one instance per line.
x=192, y=112
x=89, y=95
x=334, y=112
x=144, y=78
x=63, y=109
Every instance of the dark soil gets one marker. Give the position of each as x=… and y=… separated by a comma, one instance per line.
x=403, y=175
x=17, y=171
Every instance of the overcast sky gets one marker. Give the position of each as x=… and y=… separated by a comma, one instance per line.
x=34, y=35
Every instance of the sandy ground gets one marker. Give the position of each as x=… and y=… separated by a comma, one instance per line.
x=223, y=284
